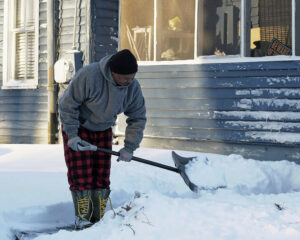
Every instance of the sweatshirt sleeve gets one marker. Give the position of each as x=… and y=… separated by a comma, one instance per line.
x=136, y=121
x=71, y=100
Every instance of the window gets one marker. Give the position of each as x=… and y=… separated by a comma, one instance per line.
x=20, y=62
x=176, y=27
x=159, y=30
x=271, y=28
x=138, y=28
x=218, y=31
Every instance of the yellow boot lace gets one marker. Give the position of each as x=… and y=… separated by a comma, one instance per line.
x=103, y=203
x=83, y=207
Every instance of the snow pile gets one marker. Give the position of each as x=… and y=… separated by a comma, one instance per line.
x=260, y=201
x=209, y=217
x=4, y=230
x=245, y=176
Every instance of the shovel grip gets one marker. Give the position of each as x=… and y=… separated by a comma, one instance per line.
x=141, y=160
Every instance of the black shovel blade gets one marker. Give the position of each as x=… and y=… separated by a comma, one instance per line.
x=180, y=163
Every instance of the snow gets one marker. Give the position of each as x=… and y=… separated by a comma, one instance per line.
x=234, y=172
x=259, y=115
x=248, y=103
x=261, y=199
x=280, y=137
x=259, y=92
x=261, y=125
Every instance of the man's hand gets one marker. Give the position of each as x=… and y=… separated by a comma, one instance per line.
x=125, y=155
x=77, y=144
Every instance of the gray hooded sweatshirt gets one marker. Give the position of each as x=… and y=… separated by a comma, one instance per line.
x=93, y=100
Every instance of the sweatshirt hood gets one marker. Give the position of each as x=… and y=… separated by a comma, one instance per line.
x=105, y=70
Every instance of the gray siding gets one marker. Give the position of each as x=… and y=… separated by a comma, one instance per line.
x=23, y=113
x=65, y=26
x=251, y=109
x=104, y=35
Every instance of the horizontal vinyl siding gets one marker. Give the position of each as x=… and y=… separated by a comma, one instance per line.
x=65, y=26
x=238, y=105
x=105, y=22
x=23, y=113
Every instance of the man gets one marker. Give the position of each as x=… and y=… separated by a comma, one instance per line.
x=88, y=109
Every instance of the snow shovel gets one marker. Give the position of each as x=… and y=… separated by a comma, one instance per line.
x=179, y=161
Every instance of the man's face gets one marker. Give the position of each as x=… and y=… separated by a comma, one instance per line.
x=123, y=79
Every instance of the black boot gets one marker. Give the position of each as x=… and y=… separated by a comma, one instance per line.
x=99, y=198
x=84, y=208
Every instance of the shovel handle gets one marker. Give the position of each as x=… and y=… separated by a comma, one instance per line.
x=141, y=160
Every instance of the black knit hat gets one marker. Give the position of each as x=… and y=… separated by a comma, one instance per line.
x=123, y=62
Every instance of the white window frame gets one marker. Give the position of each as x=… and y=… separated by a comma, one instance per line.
x=226, y=59
x=9, y=51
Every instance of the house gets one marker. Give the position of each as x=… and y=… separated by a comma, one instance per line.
x=35, y=34
x=218, y=76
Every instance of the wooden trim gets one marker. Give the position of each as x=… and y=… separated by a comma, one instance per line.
x=245, y=27
x=119, y=23
x=196, y=30
x=155, y=32
x=293, y=28
x=5, y=43
x=9, y=49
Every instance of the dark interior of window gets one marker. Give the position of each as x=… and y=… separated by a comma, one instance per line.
x=219, y=27
x=271, y=28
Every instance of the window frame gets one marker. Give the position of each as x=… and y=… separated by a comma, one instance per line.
x=9, y=51
x=245, y=39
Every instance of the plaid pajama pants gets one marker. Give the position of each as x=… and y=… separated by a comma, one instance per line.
x=89, y=169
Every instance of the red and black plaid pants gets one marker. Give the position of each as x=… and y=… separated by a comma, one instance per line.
x=89, y=169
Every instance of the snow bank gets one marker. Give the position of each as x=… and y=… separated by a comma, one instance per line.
x=244, y=176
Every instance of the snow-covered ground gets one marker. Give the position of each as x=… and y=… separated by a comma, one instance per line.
x=261, y=199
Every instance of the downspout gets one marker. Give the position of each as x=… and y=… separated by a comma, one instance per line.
x=52, y=93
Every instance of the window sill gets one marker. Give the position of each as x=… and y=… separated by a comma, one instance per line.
x=8, y=87
x=221, y=59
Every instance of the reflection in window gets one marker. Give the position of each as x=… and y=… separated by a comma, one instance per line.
x=271, y=28
x=136, y=26
x=218, y=27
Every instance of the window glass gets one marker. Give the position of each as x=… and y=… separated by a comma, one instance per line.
x=181, y=32
x=25, y=56
x=175, y=29
x=219, y=27
x=25, y=40
x=24, y=13
x=271, y=28
x=20, y=40
x=136, y=27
